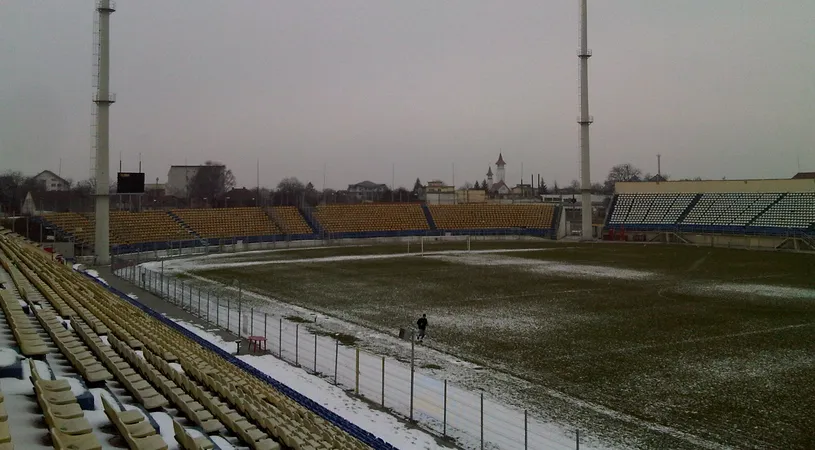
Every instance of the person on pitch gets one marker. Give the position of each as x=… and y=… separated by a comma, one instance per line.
x=422, y=325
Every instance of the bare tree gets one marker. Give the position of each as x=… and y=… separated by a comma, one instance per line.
x=210, y=181
x=621, y=172
x=290, y=191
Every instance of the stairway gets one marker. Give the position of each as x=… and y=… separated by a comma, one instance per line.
x=688, y=209
x=306, y=212
x=275, y=220
x=761, y=213
x=429, y=217
x=187, y=228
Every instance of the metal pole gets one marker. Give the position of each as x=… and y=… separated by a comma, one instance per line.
x=199, y=302
x=217, y=311
x=444, y=426
x=208, y=291
x=577, y=439
x=383, y=381
x=412, y=365
x=336, y=358
x=228, y=308
x=315, y=353
x=251, y=320
x=280, y=340
x=265, y=336
x=356, y=384
x=297, y=345
x=526, y=430
x=240, y=313
x=482, y=420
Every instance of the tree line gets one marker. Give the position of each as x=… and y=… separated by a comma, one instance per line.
x=214, y=185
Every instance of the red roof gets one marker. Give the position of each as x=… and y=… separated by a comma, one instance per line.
x=804, y=175
x=500, y=161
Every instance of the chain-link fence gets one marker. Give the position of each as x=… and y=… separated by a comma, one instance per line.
x=473, y=419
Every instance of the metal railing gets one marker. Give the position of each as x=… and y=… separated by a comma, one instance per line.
x=473, y=420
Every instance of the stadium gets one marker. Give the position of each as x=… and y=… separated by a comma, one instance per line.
x=191, y=314
x=704, y=284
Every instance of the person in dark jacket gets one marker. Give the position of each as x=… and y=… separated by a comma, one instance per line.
x=422, y=325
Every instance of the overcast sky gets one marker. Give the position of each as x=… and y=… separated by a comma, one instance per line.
x=720, y=88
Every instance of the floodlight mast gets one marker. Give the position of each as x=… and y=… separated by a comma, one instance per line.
x=584, y=120
x=103, y=98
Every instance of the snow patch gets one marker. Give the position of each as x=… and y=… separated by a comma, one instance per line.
x=227, y=346
x=547, y=267
x=202, y=263
x=95, y=274
x=8, y=357
x=381, y=424
x=133, y=296
x=746, y=290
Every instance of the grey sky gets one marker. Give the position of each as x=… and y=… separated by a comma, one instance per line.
x=721, y=88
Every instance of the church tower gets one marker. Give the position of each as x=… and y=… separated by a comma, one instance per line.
x=489, y=178
x=499, y=171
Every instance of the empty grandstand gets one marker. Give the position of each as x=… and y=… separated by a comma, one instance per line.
x=774, y=208
x=93, y=366
x=371, y=218
x=72, y=225
x=290, y=221
x=228, y=222
x=493, y=216
x=149, y=226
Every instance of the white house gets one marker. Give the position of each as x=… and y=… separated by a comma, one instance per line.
x=367, y=190
x=52, y=181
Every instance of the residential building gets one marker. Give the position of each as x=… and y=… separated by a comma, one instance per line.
x=52, y=181
x=367, y=190
x=438, y=193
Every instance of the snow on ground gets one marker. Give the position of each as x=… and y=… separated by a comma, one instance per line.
x=463, y=417
x=747, y=290
x=206, y=262
x=547, y=267
x=133, y=296
x=8, y=357
x=381, y=424
x=95, y=274
x=229, y=347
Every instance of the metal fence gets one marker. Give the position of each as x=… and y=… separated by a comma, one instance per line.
x=472, y=419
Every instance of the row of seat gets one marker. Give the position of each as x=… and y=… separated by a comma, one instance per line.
x=128, y=228
x=62, y=413
x=492, y=216
x=5, y=434
x=68, y=428
x=371, y=217
x=289, y=219
x=794, y=210
x=228, y=222
x=258, y=414
x=30, y=342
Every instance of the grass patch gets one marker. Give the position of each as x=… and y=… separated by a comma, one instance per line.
x=734, y=368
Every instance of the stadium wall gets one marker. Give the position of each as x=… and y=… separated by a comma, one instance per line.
x=723, y=240
x=801, y=185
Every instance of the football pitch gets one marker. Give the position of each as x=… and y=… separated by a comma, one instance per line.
x=644, y=345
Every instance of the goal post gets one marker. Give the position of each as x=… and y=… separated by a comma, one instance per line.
x=458, y=243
